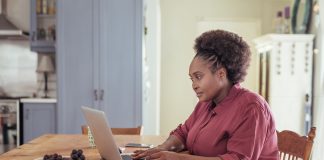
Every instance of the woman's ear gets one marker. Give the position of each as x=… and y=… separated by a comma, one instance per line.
x=221, y=72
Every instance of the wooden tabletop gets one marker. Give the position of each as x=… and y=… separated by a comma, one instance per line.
x=63, y=145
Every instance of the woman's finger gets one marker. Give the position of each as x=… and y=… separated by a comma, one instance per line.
x=138, y=151
x=139, y=154
x=145, y=153
x=156, y=155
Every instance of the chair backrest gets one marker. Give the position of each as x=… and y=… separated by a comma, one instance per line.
x=293, y=146
x=118, y=131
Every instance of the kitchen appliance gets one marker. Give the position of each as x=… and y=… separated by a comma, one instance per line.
x=9, y=124
x=7, y=29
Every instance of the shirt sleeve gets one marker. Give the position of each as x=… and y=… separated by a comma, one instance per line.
x=182, y=130
x=249, y=136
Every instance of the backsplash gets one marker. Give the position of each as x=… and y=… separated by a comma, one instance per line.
x=17, y=69
x=18, y=76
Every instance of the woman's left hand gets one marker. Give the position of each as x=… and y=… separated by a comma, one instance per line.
x=164, y=155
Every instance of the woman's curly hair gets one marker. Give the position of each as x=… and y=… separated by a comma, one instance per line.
x=224, y=49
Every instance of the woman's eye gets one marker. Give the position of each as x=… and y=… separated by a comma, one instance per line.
x=198, y=77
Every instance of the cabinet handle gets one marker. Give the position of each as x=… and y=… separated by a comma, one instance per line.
x=96, y=94
x=101, y=94
x=33, y=36
x=27, y=114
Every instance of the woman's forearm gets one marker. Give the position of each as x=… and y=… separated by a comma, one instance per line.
x=169, y=155
x=193, y=157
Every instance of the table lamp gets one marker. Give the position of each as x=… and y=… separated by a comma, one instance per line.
x=45, y=66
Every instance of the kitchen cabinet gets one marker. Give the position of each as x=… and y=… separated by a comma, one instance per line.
x=42, y=25
x=99, y=61
x=286, y=63
x=38, y=117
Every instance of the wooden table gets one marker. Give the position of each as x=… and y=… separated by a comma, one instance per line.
x=63, y=145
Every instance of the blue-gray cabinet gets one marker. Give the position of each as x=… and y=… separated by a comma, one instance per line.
x=99, y=61
x=37, y=119
x=42, y=25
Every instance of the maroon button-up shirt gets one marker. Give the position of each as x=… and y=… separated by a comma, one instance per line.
x=241, y=126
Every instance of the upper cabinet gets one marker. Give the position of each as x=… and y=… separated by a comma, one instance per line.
x=43, y=25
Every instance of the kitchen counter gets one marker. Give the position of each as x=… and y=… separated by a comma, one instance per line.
x=38, y=100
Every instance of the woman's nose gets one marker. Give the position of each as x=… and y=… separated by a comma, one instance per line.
x=194, y=86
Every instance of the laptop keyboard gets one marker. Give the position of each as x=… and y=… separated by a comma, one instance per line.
x=126, y=157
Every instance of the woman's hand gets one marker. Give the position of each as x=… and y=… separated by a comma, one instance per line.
x=146, y=153
x=172, y=144
x=156, y=154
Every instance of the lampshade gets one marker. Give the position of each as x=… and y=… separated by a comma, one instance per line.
x=45, y=64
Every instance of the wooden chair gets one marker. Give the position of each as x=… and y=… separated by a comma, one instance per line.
x=293, y=146
x=118, y=131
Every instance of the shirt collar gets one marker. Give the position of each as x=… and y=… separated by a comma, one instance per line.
x=230, y=96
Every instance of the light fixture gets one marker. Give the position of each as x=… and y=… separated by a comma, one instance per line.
x=45, y=66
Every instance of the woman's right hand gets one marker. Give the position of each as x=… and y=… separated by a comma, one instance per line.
x=171, y=144
x=138, y=154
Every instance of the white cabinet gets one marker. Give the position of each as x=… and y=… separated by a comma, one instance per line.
x=99, y=53
x=286, y=63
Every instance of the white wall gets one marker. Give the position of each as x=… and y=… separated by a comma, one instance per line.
x=318, y=147
x=151, y=68
x=179, y=29
x=18, y=76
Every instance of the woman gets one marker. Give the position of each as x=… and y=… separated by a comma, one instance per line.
x=229, y=122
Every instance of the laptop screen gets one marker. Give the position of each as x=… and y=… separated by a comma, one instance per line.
x=102, y=134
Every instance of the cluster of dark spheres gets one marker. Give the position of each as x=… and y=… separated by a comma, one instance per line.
x=54, y=156
x=76, y=154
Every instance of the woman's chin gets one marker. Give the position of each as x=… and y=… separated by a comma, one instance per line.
x=201, y=99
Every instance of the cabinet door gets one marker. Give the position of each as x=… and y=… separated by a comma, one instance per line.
x=93, y=50
x=75, y=67
x=38, y=119
x=121, y=61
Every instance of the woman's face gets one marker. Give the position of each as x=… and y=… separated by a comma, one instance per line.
x=207, y=85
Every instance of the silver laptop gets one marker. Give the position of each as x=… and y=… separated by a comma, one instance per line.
x=102, y=134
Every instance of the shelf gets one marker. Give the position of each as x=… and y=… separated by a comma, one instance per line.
x=45, y=16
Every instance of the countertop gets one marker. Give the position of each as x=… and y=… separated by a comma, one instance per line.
x=38, y=100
